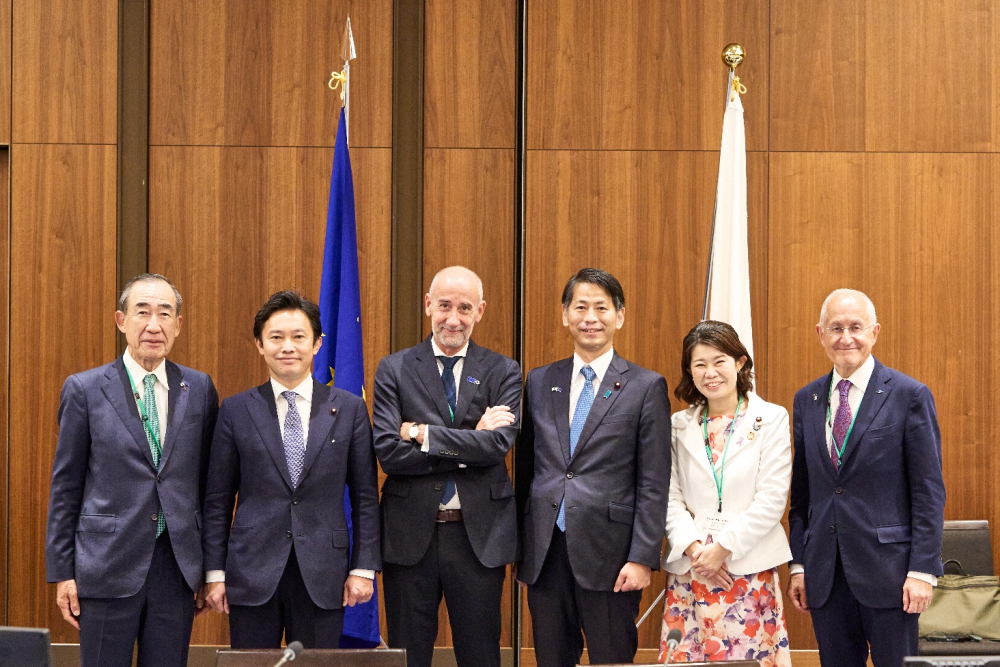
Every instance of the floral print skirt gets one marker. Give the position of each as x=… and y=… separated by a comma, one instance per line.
x=746, y=622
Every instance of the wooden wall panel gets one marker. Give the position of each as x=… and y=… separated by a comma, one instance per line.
x=913, y=232
x=470, y=51
x=255, y=72
x=231, y=226
x=5, y=53
x=817, y=75
x=63, y=275
x=469, y=220
x=4, y=366
x=643, y=74
x=65, y=61
x=647, y=218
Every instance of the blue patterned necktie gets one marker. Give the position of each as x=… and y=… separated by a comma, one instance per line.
x=448, y=379
x=153, y=436
x=294, y=439
x=583, y=405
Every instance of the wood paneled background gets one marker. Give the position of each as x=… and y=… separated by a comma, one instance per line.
x=873, y=155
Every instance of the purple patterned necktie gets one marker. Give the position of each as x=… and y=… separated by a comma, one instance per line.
x=842, y=422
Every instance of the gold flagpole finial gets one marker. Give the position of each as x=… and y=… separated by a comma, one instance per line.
x=733, y=55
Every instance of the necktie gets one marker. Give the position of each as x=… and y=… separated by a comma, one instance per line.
x=294, y=439
x=448, y=379
x=842, y=422
x=583, y=405
x=153, y=436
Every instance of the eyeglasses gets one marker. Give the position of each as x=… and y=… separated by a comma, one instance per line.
x=854, y=330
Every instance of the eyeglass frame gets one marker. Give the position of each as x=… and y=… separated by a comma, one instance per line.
x=837, y=332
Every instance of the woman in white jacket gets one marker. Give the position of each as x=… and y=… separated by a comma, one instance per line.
x=729, y=481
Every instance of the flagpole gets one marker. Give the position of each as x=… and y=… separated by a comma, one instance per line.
x=732, y=56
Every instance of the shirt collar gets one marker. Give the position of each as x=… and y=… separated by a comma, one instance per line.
x=861, y=377
x=138, y=373
x=304, y=389
x=438, y=352
x=600, y=364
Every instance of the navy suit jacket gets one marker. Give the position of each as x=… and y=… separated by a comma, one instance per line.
x=616, y=482
x=105, y=489
x=248, y=458
x=884, y=511
x=408, y=388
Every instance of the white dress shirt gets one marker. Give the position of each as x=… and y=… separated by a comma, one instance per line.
x=454, y=503
x=303, y=402
x=599, y=366
x=160, y=388
x=859, y=380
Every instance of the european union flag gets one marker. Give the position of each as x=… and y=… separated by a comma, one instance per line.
x=341, y=359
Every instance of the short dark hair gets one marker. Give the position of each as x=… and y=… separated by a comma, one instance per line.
x=723, y=338
x=287, y=300
x=141, y=278
x=599, y=277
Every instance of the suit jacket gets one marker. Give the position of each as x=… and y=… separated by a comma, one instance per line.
x=757, y=473
x=615, y=484
x=248, y=458
x=408, y=388
x=884, y=510
x=105, y=488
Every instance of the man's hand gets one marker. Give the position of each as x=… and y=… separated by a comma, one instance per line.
x=633, y=577
x=68, y=602
x=709, y=559
x=916, y=595
x=495, y=417
x=215, y=596
x=357, y=590
x=199, y=601
x=797, y=592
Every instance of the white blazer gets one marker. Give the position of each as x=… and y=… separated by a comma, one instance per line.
x=755, y=489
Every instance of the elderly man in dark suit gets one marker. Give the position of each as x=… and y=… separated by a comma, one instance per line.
x=124, y=529
x=287, y=448
x=593, y=469
x=867, y=510
x=445, y=417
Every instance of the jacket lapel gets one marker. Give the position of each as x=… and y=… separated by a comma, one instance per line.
x=817, y=411
x=557, y=380
x=264, y=414
x=694, y=439
x=469, y=382
x=177, y=400
x=118, y=391
x=876, y=394
x=321, y=420
x=605, y=398
x=425, y=367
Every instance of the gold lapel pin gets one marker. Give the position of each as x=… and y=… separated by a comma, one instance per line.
x=333, y=411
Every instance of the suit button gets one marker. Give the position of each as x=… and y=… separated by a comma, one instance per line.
x=438, y=487
x=288, y=534
x=295, y=501
x=430, y=468
x=839, y=490
x=555, y=506
x=570, y=475
x=833, y=529
x=155, y=517
x=158, y=479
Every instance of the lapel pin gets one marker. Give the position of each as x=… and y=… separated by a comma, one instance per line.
x=618, y=385
x=607, y=394
x=556, y=388
x=760, y=419
x=815, y=397
x=184, y=385
x=751, y=435
x=472, y=380
x=333, y=411
x=756, y=427
x=878, y=391
x=137, y=396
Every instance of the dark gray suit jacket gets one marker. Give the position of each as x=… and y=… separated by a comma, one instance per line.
x=408, y=388
x=248, y=458
x=105, y=490
x=616, y=482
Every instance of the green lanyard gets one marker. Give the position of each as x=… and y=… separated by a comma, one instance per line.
x=142, y=412
x=843, y=446
x=708, y=449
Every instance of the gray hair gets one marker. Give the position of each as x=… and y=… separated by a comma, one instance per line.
x=141, y=278
x=844, y=292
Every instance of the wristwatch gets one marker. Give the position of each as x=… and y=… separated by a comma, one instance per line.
x=414, y=432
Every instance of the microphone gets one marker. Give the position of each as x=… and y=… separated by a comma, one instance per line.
x=673, y=639
x=292, y=651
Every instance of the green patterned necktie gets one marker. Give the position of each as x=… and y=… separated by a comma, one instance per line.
x=153, y=436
